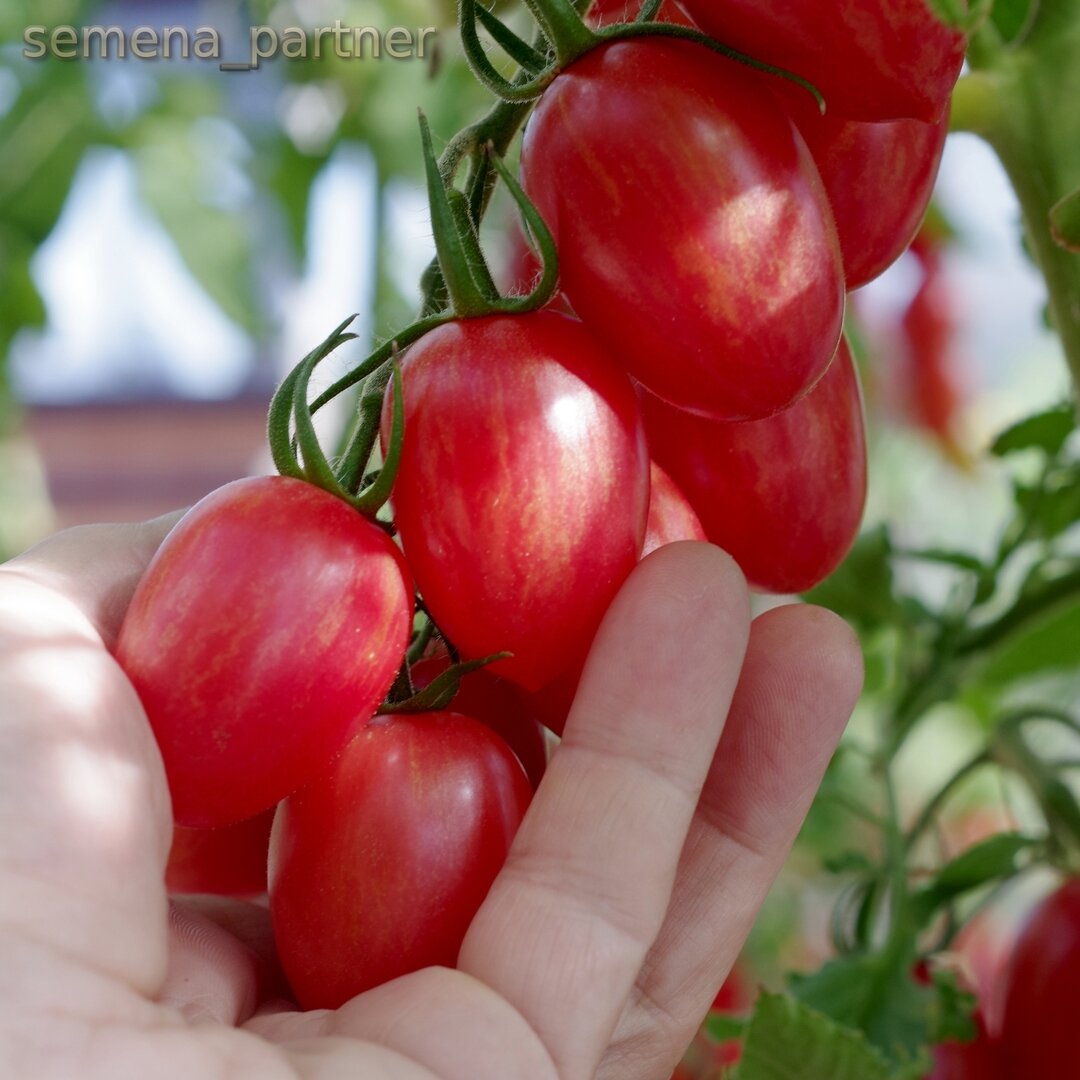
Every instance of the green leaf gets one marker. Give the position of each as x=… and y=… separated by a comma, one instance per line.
x=1054, y=508
x=787, y=1040
x=988, y=861
x=1013, y=18
x=861, y=590
x=723, y=1027
x=876, y=995
x=1046, y=431
x=1051, y=644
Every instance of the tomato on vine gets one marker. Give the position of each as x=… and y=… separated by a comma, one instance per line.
x=522, y=489
x=270, y=618
x=378, y=867
x=694, y=236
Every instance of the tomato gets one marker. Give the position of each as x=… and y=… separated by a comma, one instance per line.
x=693, y=232
x=671, y=517
x=271, y=617
x=929, y=325
x=522, y=489
x=228, y=861
x=975, y=1060
x=1038, y=1029
x=498, y=703
x=784, y=496
x=378, y=867
x=871, y=59
x=858, y=161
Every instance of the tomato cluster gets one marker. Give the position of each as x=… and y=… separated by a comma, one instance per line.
x=691, y=382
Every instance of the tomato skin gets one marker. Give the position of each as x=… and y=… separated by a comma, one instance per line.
x=704, y=257
x=871, y=59
x=228, y=861
x=783, y=496
x=498, y=703
x=857, y=162
x=522, y=489
x=671, y=518
x=270, y=618
x=976, y=1060
x=1038, y=1029
x=378, y=867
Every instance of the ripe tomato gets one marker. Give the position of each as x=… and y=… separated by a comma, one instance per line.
x=871, y=59
x=858, y=161
x=975, y=1060
x=1038, y=1029
x=378, y=867
x=228, y=861
x=671, y=517
x=522, y=489
x=271, y=617
x=703, y=255
x=500, y=704
x=784, y=496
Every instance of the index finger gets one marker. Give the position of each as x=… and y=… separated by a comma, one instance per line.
x=568, y=922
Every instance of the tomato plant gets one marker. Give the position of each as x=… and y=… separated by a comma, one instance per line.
x=523, y=487
x=227, y=861
x=1038, y=1027
x=715, y=279
x=378, y=867
x=270, y=618
x=871, y=59
x=784, y=496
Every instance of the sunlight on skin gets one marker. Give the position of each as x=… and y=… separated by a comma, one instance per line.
x=97, y=981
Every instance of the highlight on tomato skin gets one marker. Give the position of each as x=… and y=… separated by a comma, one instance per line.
x=715, y=279
x=378, y=867
x=783, y=496
x=871, y=59
x=522, y=490
x=269, y=619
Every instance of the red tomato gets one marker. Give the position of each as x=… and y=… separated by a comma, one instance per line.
x=522, y=489
x=1038, y=1030
x=871, y=59
x=975, y=1060
x=858, y=161
x=229, y=861
x=271, y=617
x=784, y=496
x=705, y=255
x=500, y=704
x=378, y=867
x=671, y=517
x=930, y=329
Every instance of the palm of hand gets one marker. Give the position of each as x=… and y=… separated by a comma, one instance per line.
x=693, y=752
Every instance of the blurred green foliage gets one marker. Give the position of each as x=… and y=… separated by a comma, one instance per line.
x=51, y=116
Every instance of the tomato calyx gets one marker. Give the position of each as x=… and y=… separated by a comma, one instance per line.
x=441, y=691
x=469, y=286
x=294, y=444
x=567, y=37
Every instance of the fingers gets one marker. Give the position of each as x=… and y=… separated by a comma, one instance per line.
x=84, y=811
x=802, y=675
x=569, y=921
x=96, y=567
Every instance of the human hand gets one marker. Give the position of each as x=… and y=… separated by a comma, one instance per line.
x=691, y=756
